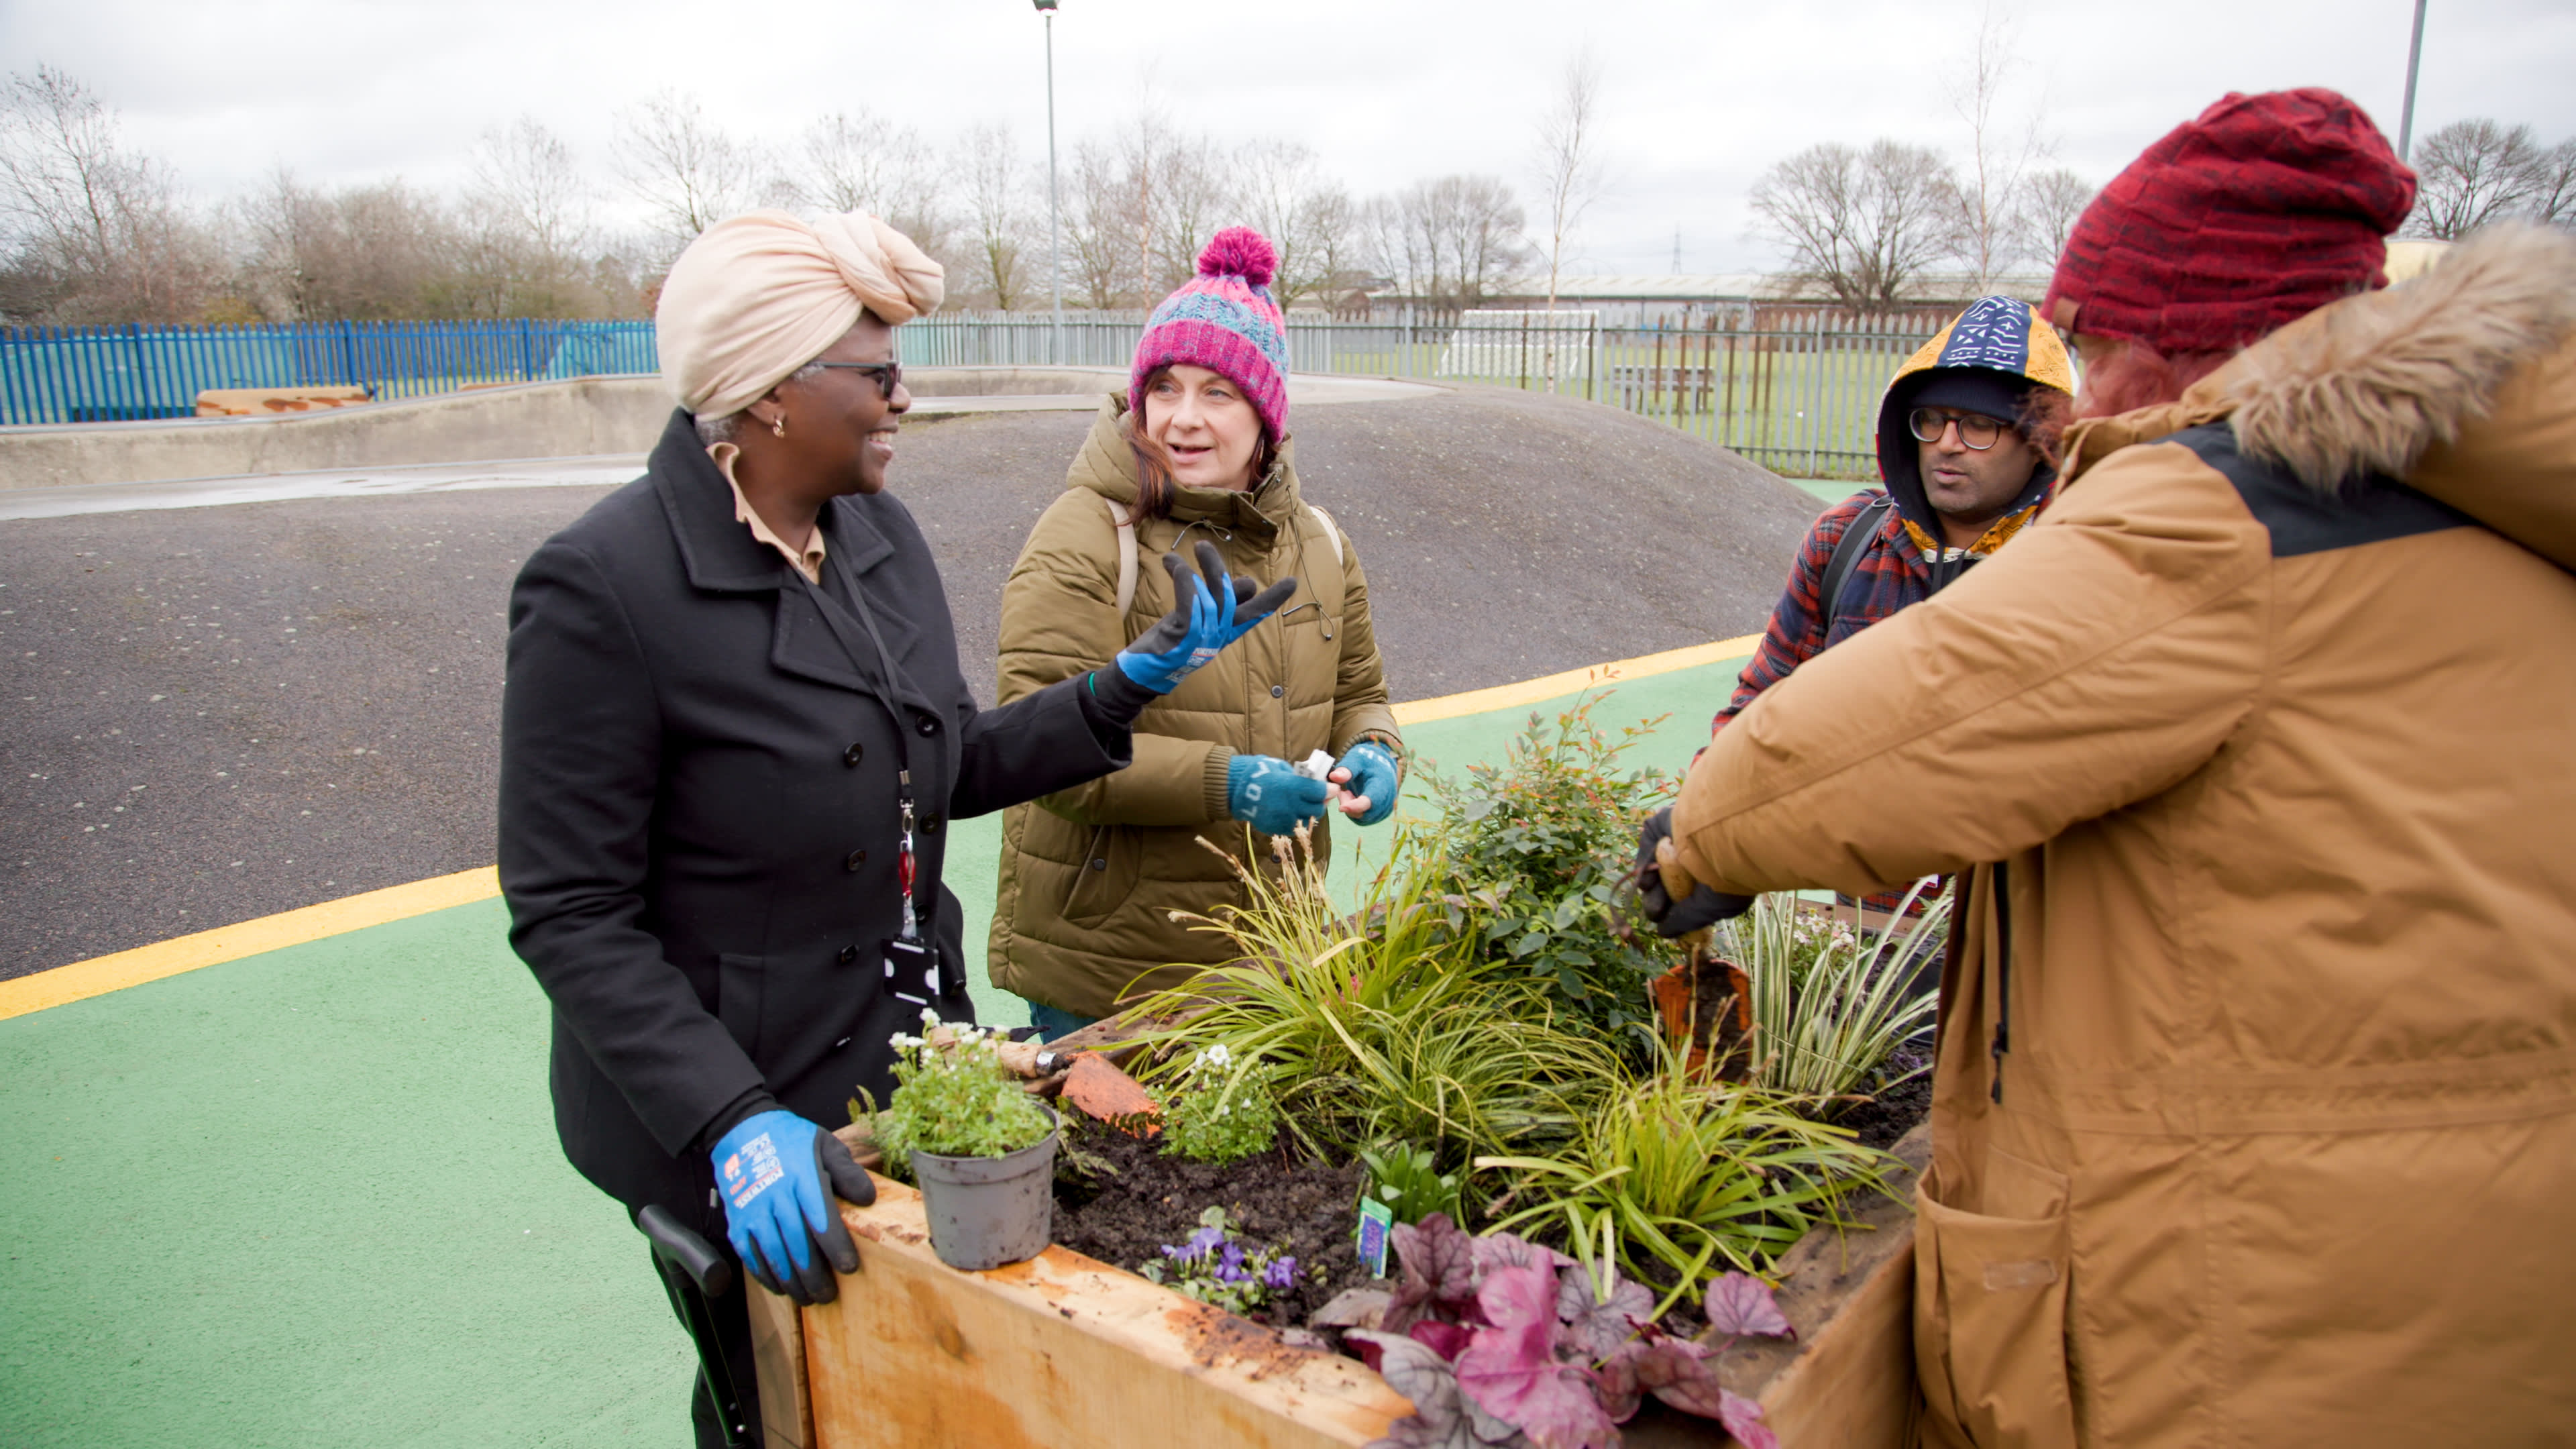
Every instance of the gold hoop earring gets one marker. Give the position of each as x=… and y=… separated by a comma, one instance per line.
x=778, y=426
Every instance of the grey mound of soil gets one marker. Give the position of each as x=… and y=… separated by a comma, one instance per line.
x=1126, y=1216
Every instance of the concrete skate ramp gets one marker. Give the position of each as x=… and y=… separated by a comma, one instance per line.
x=215, y=713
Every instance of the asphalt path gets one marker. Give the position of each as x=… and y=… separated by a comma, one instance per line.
x=212, y=714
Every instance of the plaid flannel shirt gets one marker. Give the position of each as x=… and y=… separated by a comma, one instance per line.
x=1890, y=575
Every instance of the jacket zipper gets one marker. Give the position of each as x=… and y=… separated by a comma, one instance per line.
x=2003, y=974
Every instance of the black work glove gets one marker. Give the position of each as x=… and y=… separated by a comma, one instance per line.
x=1698, y=909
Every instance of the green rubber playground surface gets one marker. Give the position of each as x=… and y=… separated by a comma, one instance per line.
x=313, y=1197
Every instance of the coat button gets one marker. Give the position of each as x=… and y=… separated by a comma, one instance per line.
x=836, y=1046
x=1098, y=863
x=930, y=825
x=857, y=858
x=929, y=726
x=849, y=954
x=853, y=755
x=1277, y=690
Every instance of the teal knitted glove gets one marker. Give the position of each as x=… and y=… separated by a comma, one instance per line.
x=1268, y=794
x=1368, y=770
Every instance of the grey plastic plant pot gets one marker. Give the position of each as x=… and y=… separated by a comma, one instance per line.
x=987, y=1211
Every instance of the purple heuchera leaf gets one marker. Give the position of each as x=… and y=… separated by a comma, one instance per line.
x=1445, y=1339
x=1439, y=1273
x=1740, y=1304
x=1598, y=1330
x=1504, y=1250
x=1438, y=1420
x=1511, y=1369
x=1743, y=1419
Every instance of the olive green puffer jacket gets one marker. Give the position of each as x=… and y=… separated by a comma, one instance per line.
x=1090, y=876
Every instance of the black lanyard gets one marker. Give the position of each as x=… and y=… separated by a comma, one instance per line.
x=835, y=559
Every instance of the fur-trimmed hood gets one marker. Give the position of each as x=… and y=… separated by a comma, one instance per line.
x=2462, y=382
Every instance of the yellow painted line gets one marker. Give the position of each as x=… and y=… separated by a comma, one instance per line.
x=1531, y=691
x=102, y=974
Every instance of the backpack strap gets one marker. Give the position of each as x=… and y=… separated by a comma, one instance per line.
x=1331, y=530
x=1847, y=554
x=1126, y=526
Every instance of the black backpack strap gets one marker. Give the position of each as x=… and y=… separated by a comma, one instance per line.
x=1847, y=553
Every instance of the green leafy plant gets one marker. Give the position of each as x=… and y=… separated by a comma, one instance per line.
x=1219, y=1117
x=1409, y=1181
x=1217, y=1267
x=1532, y=856
x=954, y=1098
x=1830, y=1006
x=1692, y=1173
x=1385, y=1024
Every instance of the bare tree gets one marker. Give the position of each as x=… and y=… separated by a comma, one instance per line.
x=367, y=253
x=2000, y=153
x=1452, y=241
x=2553, y=190
x=1571, y=175
x=860, y=161
x=683, y=166
x=2051, y=203
x=529, y=235
x=1860, y=225
x=1282, y=193
x=95, y=232
x=988, y=162
x=1191, y=198
x=2470, y=173
x=1101, y=226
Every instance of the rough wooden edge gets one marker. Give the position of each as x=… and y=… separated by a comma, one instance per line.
x=1321, y=1393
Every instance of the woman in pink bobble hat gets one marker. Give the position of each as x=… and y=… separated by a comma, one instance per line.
x=1197, y=451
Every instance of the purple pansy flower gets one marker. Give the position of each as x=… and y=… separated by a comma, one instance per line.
x=1280, y=1274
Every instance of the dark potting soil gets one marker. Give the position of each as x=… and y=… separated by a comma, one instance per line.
x=1125, y=1216
x=1894, y=1111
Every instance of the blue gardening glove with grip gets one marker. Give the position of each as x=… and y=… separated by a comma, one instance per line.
x=1368, y=771
x=1697, y=907
x=1210, y=611
x=1266, y=793
x=777, y=1173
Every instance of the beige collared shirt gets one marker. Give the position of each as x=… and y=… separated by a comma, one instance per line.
x=810, y=562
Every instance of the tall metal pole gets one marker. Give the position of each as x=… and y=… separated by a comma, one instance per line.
x=2406, y=119
x=1055, y=202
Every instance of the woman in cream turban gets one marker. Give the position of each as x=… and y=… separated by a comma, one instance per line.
x=734, y=731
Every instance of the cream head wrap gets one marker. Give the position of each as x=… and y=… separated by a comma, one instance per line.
x=758, y=296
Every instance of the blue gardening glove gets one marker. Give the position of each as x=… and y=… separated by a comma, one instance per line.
x=773, y=1168
x=1208, y=613
x=1268, y=794
x=1368, y=772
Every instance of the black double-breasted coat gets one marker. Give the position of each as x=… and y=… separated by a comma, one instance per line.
x=698, y=818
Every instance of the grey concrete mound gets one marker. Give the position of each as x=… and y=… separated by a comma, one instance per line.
x=209, y=714
x=580, y=417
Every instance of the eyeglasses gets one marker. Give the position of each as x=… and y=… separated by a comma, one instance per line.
x=1975, y=429
x=889, y=374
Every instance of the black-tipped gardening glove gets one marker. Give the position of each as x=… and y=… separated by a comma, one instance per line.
x=1698, y=908
x=1210, y=610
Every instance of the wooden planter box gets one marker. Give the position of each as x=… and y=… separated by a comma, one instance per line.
x=1067, y=1351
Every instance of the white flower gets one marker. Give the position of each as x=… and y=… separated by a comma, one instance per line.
x=929, y=1018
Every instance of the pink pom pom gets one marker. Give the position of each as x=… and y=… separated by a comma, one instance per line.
x=1239, y=251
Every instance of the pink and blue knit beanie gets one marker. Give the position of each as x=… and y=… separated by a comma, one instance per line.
x=1223, y=320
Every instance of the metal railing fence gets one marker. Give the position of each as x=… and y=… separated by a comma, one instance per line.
x=116, y=374
x=1794, y=389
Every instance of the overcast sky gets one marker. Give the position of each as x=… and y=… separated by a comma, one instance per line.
x=1701, y=95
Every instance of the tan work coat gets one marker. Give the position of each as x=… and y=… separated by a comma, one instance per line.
x=1090, y=876
x=2255, y=1113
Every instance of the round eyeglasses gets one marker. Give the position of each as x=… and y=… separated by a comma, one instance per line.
x=1975, y=429
x=889, y=374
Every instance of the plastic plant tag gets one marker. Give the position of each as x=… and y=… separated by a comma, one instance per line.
x=1376, y=1221
x=1315, y=766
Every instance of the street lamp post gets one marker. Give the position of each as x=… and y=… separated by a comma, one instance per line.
x=2406, y=118
x=1055, y=203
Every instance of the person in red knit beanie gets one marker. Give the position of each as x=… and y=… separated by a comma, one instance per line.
x=2259, y=210
x=2254, y=1102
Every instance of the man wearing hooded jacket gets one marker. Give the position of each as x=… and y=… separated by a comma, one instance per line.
x=2255, y=1105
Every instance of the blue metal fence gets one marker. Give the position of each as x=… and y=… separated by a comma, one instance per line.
x=111, y=374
